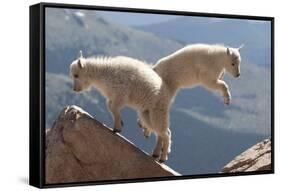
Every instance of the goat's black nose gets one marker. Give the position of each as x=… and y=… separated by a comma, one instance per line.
x=238, y=75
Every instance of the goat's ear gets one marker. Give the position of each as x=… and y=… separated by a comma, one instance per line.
x=241, y=46
x=80, y=63
x=80, y=55
x=227, y=51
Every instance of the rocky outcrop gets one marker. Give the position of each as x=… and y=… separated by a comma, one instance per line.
x=256, y=158
x=79, y=148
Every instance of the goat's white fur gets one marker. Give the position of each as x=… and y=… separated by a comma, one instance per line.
x=199, y=64
x=128, y=82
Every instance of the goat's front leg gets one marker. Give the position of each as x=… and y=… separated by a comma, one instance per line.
x=222, y=87
x=115, y=112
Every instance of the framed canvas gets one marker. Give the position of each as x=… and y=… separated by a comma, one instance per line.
x=132, y=95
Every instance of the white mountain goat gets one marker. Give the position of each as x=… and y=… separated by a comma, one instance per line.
x=199, y=64
x=128, y=82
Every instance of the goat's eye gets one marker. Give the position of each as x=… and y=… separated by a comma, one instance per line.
x=232, y=64
x=76, y=76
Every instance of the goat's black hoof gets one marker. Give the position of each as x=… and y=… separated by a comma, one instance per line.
x=155, y=156
x=161, y=161
x=116, y=130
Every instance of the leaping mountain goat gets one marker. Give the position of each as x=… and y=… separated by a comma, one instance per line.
x=199, y=64
x=128, y=82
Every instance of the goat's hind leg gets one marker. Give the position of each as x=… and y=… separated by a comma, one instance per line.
x=146, y=131
x=160, y=122
x=166, y=144
x=144, y=123
x=158, y=148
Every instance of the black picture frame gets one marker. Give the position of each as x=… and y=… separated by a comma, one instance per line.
x=37, y=93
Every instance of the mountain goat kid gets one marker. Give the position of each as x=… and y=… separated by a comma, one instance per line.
x=128, y=82
x=199, y=64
